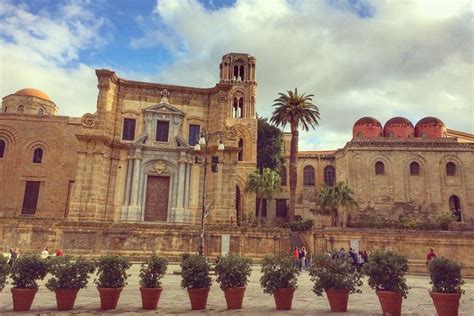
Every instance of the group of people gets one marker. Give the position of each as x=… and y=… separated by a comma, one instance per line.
x=300, y=258
x=45, y=253
x=358, y=258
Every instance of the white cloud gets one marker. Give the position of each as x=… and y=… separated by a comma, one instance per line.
x=43, y=50
x=411, y=58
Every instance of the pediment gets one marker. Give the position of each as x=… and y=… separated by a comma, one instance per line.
x=164, y=108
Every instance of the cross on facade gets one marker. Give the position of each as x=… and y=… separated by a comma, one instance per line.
x=164, y=96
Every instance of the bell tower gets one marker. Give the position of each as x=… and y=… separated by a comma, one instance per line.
x=239, y=70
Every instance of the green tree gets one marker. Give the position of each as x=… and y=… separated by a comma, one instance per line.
x=295, y=110
x=269, y=145
x=340, y=196
x=264, y=184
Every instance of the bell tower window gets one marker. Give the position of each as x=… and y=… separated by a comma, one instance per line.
x=240, y=157
x=241, y=107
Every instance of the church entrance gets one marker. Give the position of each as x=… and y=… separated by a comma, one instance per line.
x=455, y=207
x=157, y=192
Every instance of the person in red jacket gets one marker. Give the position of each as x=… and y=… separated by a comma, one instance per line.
x=59, y=252
x=431, y=254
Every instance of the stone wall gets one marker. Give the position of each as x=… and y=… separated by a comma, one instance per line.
x=136, y=240
x=413, y=244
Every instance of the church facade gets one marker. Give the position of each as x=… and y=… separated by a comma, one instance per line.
x=135, y=159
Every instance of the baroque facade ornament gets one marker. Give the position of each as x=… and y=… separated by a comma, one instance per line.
x=159, y=167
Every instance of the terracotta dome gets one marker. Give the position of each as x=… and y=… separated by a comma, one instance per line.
x=430, y=127
x=367, y=127
x=399, y=127
x=32, y=92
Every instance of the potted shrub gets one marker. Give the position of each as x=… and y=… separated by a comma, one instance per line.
x=232, y=274
x=151, y=272
x=337, y=277
x=112, y=277
x=386, y=271
x=4, y=270
x=28, y=269
x=195, y=277
x=447, y=280
x=68, y=276
x=279, y=278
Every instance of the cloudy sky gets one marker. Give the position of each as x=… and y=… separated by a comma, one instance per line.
x=411, y=58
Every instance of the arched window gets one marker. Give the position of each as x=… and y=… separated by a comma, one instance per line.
x=241, y=73
x=240, y=157
x=241, y=107
x=2, y=148
x=450, y=169
x=455, y=207
x=38, y=155
x=379, y=168
x=235, y=108
x=330, y=175
x=236, y=72
x=40, y=111
x=283, y=175
x=308, y=176
x=21, y=109
x=414, y=168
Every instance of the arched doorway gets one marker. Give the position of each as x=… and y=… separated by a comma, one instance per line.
x=238, y=205
x=455, y=207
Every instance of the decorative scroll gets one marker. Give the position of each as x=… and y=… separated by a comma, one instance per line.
x=158, y=168
x=89, y=120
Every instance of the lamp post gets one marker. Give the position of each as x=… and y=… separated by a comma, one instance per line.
x=204, y=141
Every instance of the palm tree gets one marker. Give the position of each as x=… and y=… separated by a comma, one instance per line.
x=264, y=184
x=296, y=110
x=333, y=198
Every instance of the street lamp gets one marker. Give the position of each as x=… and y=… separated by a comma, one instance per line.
x=204, y=141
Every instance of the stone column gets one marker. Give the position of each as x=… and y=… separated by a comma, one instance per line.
x=179, y=212
x=133, y=210
x=128, y=183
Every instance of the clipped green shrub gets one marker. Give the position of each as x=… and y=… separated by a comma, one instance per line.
x=4, y=270
x=68, y=272
x=446, y=275
x=152, y=271
x=386, y=271
x=300, y=225
x=337, y=273
x=28, y=269
x=445, y=219
x=233, y=271
x=278, y=272
x=112, y=271
x=195, y=272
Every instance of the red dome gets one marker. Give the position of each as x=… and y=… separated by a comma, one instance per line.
x=399, y=127
x=367, y=127
x=430, y=127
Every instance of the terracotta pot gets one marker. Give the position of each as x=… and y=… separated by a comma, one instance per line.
x=65, y=298
x=283, y=298
x=198, y=297
x=391, y=302
x=338, y=299
x=109, y=297
x=234, y=296
x=447, y=304
x=23, y=298
x=150, y=297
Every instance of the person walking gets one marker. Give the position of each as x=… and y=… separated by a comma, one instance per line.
x=342, y=253
x=296, y=257
x=431, y=254
x=303, y=258
x=45, y=253
x=59, y=252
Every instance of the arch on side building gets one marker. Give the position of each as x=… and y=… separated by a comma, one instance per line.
x=455, y=207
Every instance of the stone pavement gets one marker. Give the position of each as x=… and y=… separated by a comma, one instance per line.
x=174, y=300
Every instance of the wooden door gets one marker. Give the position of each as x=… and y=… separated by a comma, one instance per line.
x=157, y=192
x=30, y=199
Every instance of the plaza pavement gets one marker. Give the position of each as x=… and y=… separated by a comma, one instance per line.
x=174, y=300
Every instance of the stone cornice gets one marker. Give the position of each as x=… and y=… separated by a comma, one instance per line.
x=408, y=143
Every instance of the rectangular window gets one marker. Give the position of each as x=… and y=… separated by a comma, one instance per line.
x=281, y=208
x=194, y=131
x=30, y=200
x=162, y=131
x=128, y=132
x=263, y=213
